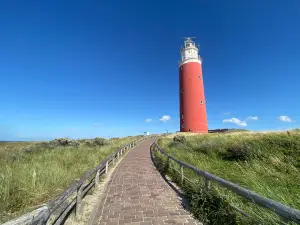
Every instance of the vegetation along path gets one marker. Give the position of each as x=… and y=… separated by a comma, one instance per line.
x=138, y=194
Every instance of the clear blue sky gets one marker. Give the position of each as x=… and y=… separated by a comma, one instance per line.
x=101, y=68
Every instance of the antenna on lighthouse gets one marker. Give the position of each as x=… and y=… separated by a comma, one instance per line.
x=188, y=42
x=188, y=38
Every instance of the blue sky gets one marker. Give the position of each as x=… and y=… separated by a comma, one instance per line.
x=101, y=68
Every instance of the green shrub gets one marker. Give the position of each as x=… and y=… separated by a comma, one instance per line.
x=100, y=141
x=179, y=138
x=114, y=139
x=207, y=206
x=60, y=142
x=238, y=152
x=75, y=143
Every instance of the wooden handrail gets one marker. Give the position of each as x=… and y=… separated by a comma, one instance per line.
x=280, y=209
x=54, y=208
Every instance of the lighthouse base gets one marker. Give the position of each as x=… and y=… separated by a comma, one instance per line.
x=196, y=131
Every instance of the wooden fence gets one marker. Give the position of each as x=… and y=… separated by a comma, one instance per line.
x=287, y=213
x=56, y=211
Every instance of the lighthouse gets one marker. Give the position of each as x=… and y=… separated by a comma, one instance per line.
x=192, y=100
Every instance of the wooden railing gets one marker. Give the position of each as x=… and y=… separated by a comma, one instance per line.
x=56, y=211
x=287, y=213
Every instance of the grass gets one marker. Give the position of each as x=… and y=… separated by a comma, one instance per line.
x=33, y=173
x=267, y=163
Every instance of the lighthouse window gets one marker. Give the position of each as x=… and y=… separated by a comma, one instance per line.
x=181, y=116
x=201, y=102
x=199, y=77
x=182, y=125
x=181, y=90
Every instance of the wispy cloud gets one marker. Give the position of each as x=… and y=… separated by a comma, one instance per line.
x=96, y=124
x=148, y=120
x=226, y=113
x=165, y=118
x=252, y=118
x=73, y=129
x=236, y=121
x=285, y=119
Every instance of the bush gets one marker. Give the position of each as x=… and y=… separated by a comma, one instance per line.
x=208, y=207
x=238, y=152
x=100, y=141
x=60, y=142
x=179, y=138
x=74, y=143
x=90, y=143
x=114, y=139
x=29, y=149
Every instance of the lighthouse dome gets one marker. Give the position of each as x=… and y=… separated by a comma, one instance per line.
x=189, y=52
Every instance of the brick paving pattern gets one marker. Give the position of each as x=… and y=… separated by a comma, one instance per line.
x=137, y=194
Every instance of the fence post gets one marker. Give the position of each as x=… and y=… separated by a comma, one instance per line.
x=207, y=183
x=167, y=167
x=78, y=201
x=182, y=176
x=97, y=178
x=118, y=155
x=106, y=167
x=114, y=160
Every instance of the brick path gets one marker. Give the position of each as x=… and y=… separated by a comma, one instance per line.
x=137, y=194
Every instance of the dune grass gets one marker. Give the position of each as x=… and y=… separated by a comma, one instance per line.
x=29, y=179
x=267, y=163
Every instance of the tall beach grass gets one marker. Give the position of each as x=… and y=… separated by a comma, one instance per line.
x=33, y=173
x=267, y=163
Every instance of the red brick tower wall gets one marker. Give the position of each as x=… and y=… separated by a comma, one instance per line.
x=192, y=99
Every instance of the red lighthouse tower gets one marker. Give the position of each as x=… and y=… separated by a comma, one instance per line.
x=192, y=100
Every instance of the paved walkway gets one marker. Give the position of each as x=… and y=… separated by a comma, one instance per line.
x=137, y=194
